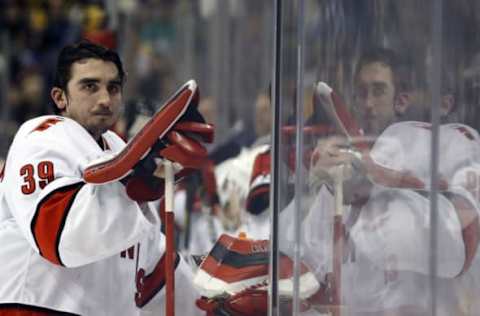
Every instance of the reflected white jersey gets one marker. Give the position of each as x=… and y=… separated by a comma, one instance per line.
x=406, y=146
x=387, y=264
x=75, y=247
x=393, y=216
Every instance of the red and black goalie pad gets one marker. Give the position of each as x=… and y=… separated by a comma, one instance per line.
x=177, y=129
x=250, y=302
x=258, y=197
x=236, y=264
x=233, y=259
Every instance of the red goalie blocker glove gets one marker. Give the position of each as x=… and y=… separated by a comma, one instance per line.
x=175, y=133
x=183, y=146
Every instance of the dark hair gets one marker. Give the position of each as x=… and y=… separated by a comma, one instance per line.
x=78, y=51
x=402, y=69
x=82, y=50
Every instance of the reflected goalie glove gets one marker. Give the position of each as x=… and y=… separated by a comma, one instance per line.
x=175, y=133
x=259, y=191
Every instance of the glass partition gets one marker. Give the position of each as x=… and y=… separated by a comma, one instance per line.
x=382, y=215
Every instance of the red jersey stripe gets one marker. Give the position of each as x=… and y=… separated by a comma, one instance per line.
x=49, y=220
x=27, y=310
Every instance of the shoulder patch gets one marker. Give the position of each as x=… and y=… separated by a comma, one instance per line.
x=47, y=123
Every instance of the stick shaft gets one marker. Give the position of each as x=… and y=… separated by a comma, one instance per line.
x=338, y=239
x=170, y=240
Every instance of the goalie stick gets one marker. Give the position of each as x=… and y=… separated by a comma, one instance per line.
x=338, y=241
x=170, y=240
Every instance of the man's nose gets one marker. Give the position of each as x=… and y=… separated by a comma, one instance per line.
x=370, y=103
x=104, y=98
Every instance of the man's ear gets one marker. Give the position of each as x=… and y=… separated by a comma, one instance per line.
x=59, y=97
x=402, y=102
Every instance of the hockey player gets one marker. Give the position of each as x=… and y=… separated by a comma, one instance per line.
x=386, y=269
x=71, y=247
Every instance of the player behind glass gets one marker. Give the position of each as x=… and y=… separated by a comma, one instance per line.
x=386, y=271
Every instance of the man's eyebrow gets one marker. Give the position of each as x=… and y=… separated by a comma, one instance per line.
x=115, y=81
x=88, y=80
x=96, y=80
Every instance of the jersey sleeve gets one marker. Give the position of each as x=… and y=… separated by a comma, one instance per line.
x=388, y=150
x=69, y=222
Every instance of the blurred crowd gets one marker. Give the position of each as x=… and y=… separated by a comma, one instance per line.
x=33, y=31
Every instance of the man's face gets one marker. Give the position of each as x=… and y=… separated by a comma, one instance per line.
x=375, y=97
x=94, y=95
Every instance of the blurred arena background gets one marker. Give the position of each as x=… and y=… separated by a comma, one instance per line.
x=227, y=47
x=224, y=45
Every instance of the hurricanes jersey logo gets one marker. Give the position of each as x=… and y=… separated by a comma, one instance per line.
x=46, y=124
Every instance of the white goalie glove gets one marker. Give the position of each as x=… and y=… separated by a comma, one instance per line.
x=327, y=156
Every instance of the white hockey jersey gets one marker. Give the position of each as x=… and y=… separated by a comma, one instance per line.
x=75, y=247
x=405, y=147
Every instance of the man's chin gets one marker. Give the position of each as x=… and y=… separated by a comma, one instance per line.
x=104, y=120
x=370, y=129
x=375, y=129
x=100, y=126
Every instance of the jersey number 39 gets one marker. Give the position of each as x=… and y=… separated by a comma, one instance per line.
x=44, y=173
